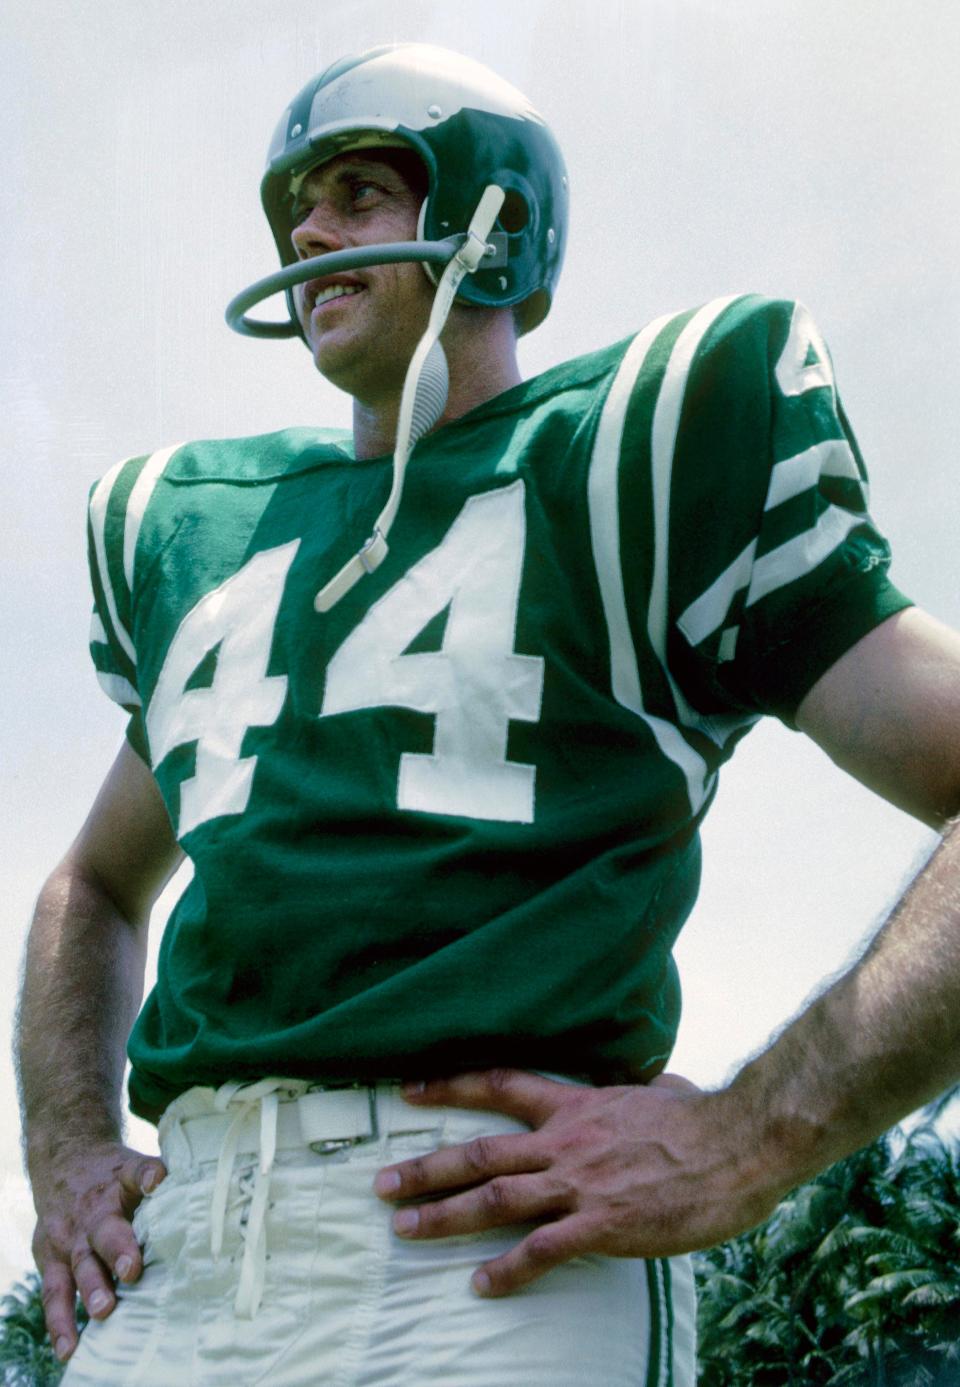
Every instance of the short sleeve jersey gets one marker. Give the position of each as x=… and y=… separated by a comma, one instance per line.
x=453, y=821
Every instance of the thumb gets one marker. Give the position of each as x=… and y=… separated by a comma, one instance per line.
x=141, y=1175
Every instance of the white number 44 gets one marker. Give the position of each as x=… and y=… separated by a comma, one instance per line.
x=473, y=686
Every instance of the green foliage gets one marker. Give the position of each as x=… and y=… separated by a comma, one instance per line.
x=26, y=1358
x=854, y=1281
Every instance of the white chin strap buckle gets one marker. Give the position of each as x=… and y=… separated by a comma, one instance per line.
x=373, y=552
x=424, y=395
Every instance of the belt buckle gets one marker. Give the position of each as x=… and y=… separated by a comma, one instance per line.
x=327, y=1148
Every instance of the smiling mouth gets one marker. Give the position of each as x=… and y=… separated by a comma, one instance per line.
x=334, y=294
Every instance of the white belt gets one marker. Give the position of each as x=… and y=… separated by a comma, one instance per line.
x=281, y=1115
x=323, y=1119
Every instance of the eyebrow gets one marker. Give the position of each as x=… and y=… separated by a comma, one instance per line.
x=349, y=169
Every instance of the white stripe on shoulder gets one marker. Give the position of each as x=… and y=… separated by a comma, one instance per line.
x=118, y=688
x=604, y=511
x=666, y=421
x=98, y=632
x=603, y=498
x=802, y=554
x=833, y=457
x=138, y=502
x=98, y=520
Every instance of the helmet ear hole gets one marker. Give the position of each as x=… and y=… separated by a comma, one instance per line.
x=515, y=213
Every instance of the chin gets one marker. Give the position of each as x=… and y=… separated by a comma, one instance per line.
x=361, y=368
x=351, y=372
x=333, y=360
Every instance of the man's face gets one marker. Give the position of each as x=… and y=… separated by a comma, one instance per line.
x=363, y=325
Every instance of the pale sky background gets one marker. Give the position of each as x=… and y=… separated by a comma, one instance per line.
x=714, y=146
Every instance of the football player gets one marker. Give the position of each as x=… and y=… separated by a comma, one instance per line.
x=436, y=708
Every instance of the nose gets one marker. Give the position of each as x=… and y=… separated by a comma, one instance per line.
x=319, y=232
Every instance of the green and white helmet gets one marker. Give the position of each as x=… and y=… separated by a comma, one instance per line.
x=469, y=127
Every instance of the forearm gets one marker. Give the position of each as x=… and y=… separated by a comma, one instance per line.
x=884, y=1039
x=83, y=981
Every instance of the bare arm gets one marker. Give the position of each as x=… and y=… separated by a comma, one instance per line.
x=886, y=1037
x=650, y=1172
x=83, y=980
x=878, y=1043
x=888, y=713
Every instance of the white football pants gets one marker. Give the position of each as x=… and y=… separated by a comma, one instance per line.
x=268, y=1260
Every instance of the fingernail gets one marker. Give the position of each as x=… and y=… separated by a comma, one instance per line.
x=387, y=1182
x=62, y=1348
x=98, y=1302
x=124, y=1267
x=406, y=1221
x=480, y=1282
x=150, y=1181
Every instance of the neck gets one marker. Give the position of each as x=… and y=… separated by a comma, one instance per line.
x=481, y=365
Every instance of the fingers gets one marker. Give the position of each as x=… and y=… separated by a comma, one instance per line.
x=82, y=1243
x=502, y=1201
x=110, y=1250
x=114, y=1242
x=84, y=1273
x=454, y=1167
x=83, y=1238
x=529, y=1097
x=112, y=1238
x=59, y=1313
x=93, y=1281
x=545, y=1248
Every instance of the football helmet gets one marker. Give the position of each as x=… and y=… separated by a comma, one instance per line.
x=470, y=129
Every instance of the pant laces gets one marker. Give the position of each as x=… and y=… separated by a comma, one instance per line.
x=245, y=1099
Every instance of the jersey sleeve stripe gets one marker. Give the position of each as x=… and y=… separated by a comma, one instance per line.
x=783, y=565
x=98, y=520
x=98, y=632
x=801, y=555
x=604, y=511
x=710, y=609
x=137, y=505
x=833, y=457
x=119, y=689
x=728, y=644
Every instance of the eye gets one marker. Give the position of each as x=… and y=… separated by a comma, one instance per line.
x=364, y=189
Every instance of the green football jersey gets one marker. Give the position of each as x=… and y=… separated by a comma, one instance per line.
x=453, y=821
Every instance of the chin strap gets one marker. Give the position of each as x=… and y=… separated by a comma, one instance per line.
x=424, y=395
